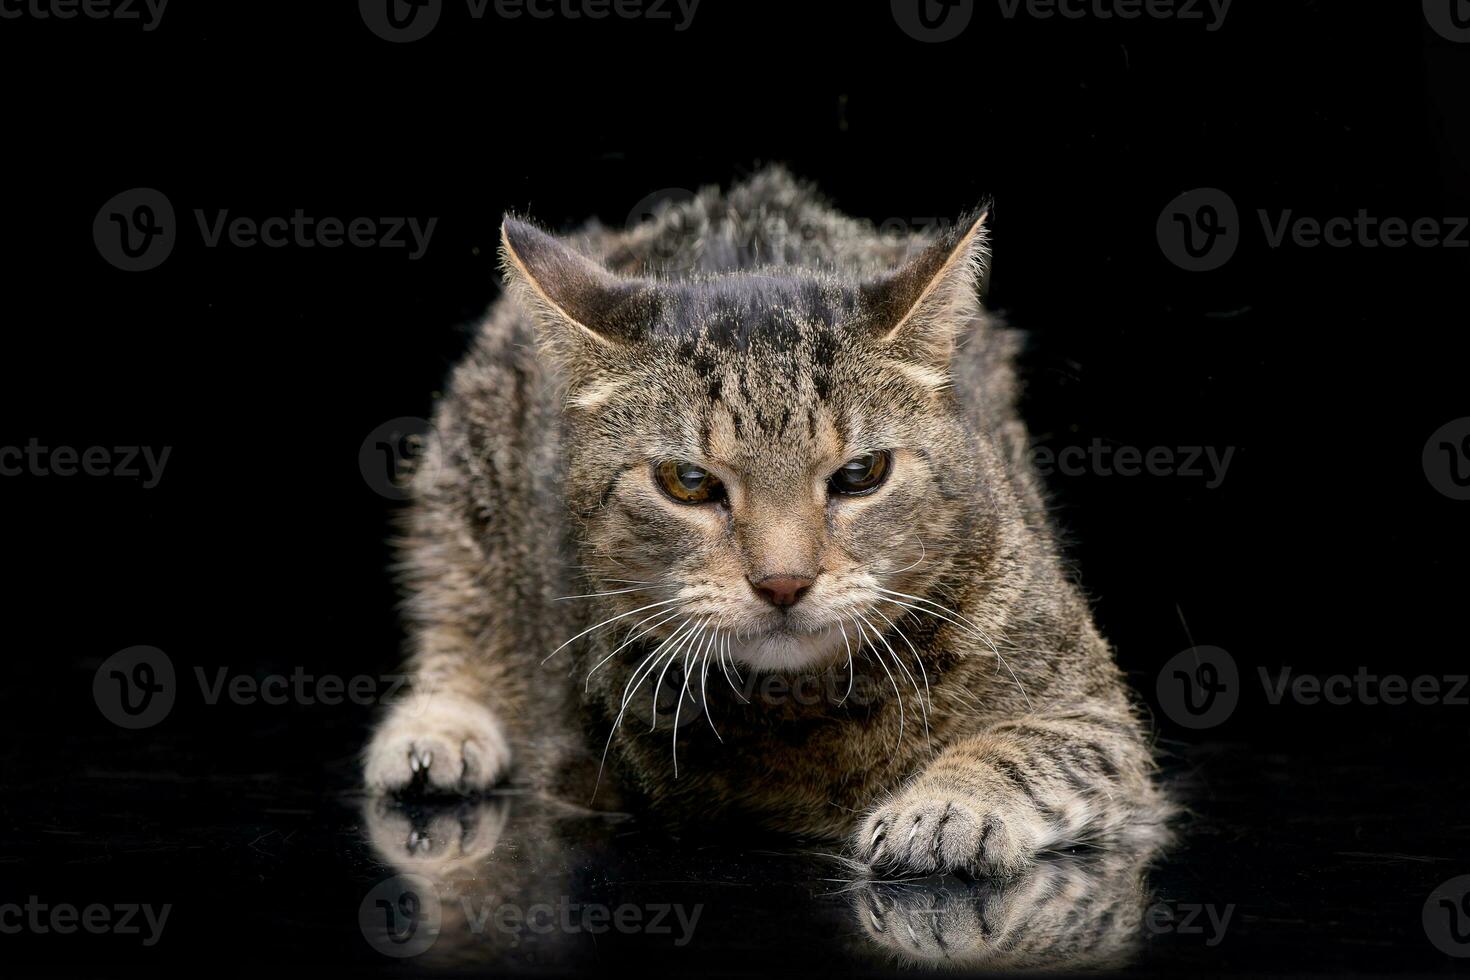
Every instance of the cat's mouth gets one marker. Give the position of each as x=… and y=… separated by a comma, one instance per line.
x=790, y=644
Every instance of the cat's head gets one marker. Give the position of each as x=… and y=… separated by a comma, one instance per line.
x=777, y=455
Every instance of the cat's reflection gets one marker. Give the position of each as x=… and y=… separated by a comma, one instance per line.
x=1081, y=911
x=515, y=881
x=494, y=879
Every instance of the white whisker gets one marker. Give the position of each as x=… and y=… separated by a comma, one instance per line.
x=594, y=595
x=623, y=707
x=614, y=619
x=965, y=620
x=693, y=636
x=973, y=629
x=922, y=553
x=662, y=617
x=878, y=655
x=924, y=699
x=851, y=669
x=727, y=663
x=898, y=662
x=704, y=688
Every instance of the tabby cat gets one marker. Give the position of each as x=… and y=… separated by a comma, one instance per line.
x=729, y=516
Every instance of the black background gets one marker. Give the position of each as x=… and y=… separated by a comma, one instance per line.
x=1326, y=369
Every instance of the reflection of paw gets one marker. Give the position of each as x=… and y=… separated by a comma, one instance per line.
x=1057, y=915
x=434, y=841
x=925, y=831
x=450, y=744
x=924, y=924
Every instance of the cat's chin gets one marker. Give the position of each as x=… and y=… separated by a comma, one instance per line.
x=787, y=649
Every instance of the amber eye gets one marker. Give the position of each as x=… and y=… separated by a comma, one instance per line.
x=861, y=475
x=689, y=483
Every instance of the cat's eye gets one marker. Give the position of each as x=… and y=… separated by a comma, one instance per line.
x=689, y=483
x=862, y=474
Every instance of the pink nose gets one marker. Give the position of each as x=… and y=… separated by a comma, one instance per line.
x=782, y=590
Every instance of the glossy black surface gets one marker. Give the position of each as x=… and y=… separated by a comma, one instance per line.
x=1319, y=863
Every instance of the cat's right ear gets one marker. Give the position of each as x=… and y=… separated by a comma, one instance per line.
x=586, y=316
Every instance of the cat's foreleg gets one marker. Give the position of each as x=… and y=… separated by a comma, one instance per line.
x=988, y=803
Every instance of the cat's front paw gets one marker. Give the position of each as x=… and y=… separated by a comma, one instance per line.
x=927, y=830
x=442, y=742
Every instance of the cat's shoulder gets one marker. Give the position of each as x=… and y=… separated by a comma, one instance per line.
x=770, y=219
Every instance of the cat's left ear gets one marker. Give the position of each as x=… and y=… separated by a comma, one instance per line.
x=921, y=309
x=586, y=316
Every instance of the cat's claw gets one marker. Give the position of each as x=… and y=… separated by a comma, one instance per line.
x=946, y=832
x=445, y=744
